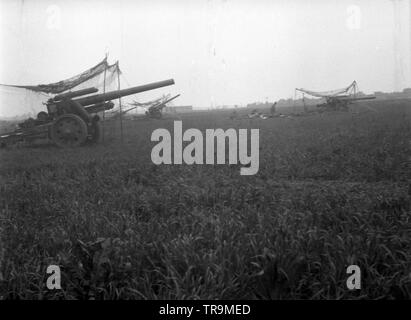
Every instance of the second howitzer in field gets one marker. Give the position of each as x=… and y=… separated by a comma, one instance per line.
x=155, y=111
x=71, y=118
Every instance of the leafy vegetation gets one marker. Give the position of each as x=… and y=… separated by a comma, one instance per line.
x=332, y=190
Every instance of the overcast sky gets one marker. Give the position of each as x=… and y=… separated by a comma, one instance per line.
x=218, y=52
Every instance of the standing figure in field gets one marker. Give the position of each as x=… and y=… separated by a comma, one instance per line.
x=234, y=115
x=273, y=108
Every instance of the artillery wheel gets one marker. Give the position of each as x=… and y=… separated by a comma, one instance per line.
x=68, y=130
x=156, y=114
x=95, y=131
x=43, y=116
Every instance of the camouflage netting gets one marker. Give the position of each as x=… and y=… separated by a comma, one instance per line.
x=23, y=101
x=332, y=93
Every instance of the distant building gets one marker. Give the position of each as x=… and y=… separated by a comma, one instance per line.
x=260, y=105
x=178, y=109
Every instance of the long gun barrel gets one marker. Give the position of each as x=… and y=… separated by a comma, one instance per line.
x=128, y=110
x=97, y=98
x=73, y=94
x=359, y=98
x=99, y=107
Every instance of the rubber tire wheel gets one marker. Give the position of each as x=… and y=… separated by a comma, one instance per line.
x=80, y=124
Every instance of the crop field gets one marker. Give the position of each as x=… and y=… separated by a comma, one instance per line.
x=332, y=190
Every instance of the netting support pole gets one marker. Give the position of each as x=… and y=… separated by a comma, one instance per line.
x=104, y=91
x=355, y=89
x=305, y=107
x=119, y=101
x=295, y=97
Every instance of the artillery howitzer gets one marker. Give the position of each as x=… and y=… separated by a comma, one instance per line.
x=70, y=122
x=122, y=113
x=340, y=103
x=155, y=111
x=336, y=100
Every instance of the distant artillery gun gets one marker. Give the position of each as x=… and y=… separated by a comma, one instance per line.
x=118, y=113
x=337, y=100
x=70, y=122
x=340, y=103
x=155, y=111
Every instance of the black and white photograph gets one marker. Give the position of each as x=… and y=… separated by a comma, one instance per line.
x=215, y=150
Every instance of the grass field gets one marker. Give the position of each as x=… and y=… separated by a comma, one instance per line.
x=332, y=190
